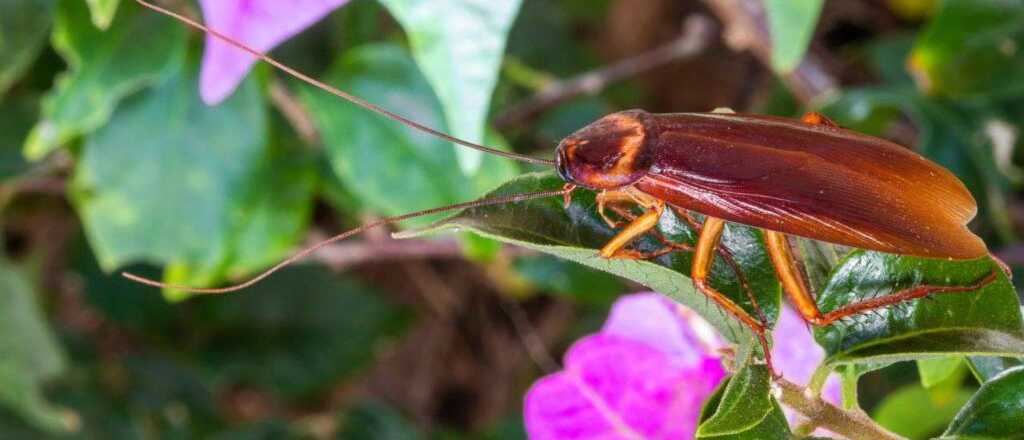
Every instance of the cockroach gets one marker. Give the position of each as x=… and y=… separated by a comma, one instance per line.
x=808, y=178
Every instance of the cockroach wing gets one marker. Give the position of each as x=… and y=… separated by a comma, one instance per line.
x=815, y=181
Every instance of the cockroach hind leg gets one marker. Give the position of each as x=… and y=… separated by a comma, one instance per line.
x=894, y=299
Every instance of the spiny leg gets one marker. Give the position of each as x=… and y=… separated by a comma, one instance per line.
x=703, y=258
x=727, y=256
x=798, y=293
x=723, y=252
x=636, y=228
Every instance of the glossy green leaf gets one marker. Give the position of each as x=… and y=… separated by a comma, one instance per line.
x=576, y=233
x=391, y=168
x=984, y=321
x=987, y=367
x=791, y=25
x=744, y=409
x=917, y=413
x=172, y=181
x=23, y=30
x=459, y=45
x=996, y=411
x=102, y=12
x=971, y=49
x=29, y=354
x=934, y=371
x=137, y=50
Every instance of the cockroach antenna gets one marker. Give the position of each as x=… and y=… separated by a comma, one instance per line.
x=384, y=221
x=339, y=93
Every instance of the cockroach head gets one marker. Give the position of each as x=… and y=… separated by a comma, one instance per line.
x=610, y=153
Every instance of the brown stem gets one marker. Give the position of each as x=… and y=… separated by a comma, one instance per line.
x=294, y=112
x=698, y=33
x=746, y=28
x=850, y=424
x=345, y=255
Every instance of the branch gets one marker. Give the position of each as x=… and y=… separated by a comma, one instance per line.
x=853, y=425
x=746, y=28
x=345, y=255
x=293, y=112
x=698, y=33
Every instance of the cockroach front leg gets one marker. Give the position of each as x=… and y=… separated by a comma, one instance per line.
x=703, y=258
x=800, y=296
x=616, y=247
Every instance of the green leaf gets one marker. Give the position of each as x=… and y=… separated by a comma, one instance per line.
x=459, y=45
x=391, y=168
x=138, y=50
x=934, y=371
x=744, y=409
x=987, y=367
x=918, y=413
x=172, y=181
x=971, y=49
x=18, y=115
x=29, y=354
x=985, y=321
x=996, y=411
x=102, y=12
x=576, y=233
x=791, y=25
x=23, y=29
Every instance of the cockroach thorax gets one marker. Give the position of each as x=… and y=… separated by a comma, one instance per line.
x=610, y=153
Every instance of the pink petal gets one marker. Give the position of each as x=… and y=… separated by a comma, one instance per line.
x=261, y=24
x=797, y=355
x=619, y=388
x=794, y=350
x=663, y=324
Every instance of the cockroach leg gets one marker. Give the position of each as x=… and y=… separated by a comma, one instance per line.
x=797, y=292
x=703, y=258
x=727, y=256
x=568, y=188
x=815, y=118
x=644, y=223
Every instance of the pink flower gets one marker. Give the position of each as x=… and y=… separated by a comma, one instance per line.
x=647, y=373
x=797, y=355
x=261, y=24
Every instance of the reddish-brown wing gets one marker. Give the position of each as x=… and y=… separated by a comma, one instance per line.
x=814, y=181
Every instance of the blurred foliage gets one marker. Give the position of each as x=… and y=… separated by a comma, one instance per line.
x=109, y=162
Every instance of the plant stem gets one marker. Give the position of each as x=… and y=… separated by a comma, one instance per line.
x=850, y=424
x=697, y=35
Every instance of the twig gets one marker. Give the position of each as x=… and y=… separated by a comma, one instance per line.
x=529, y=336
x=294, y=112
x=698, y=33
x=746, y=28
x=850, y=424
x=345, y=255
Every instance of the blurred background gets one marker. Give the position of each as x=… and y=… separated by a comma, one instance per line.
x=110, y=161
